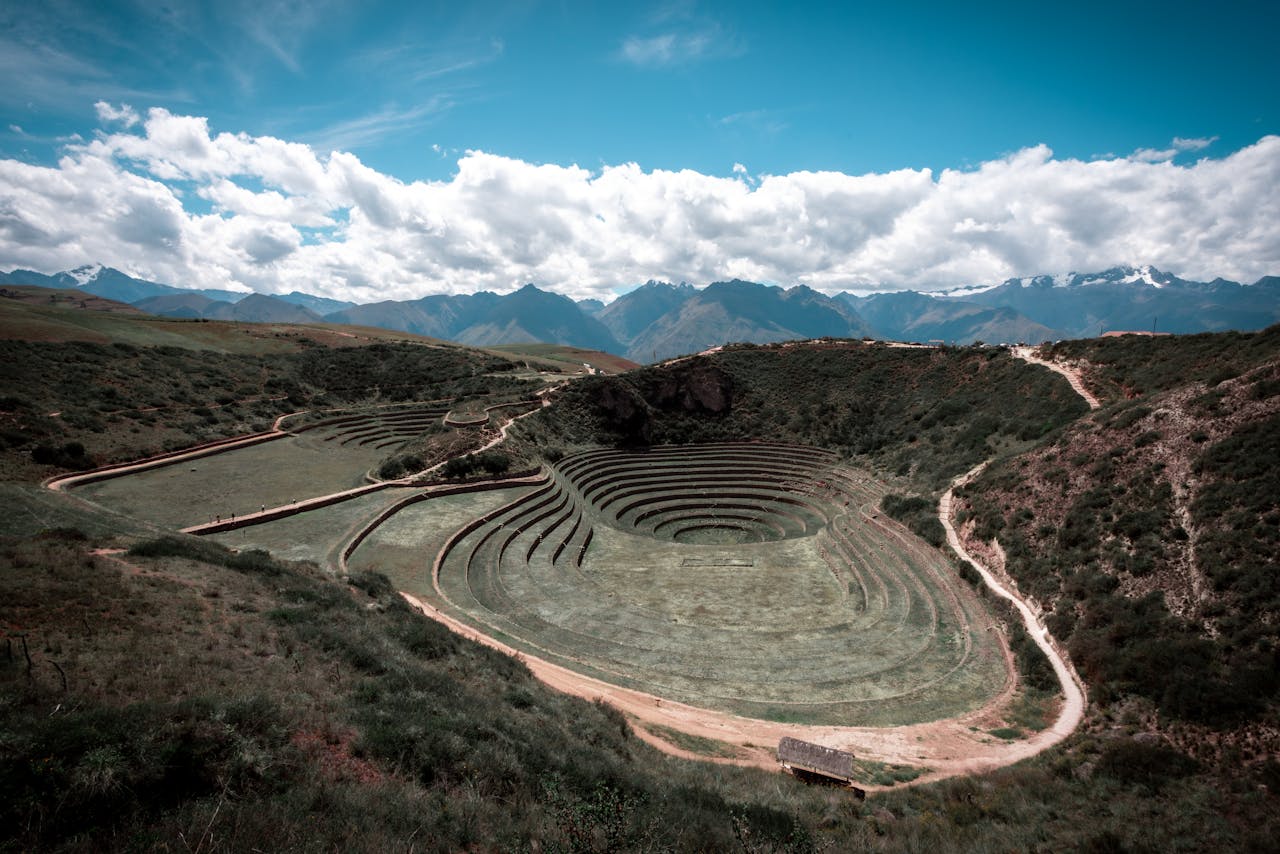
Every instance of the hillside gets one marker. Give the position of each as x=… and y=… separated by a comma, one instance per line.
x=36, y=297
x=207, y=695
x=910, y=316
x=116, y=402
x=922, y=414
x=34, y=313
x=1150, y=530
x=222, y=697
x=746, y=312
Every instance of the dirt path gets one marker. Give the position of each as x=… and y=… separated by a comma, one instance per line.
x=1072, y=374
x=1072, y=711
x=946, y=748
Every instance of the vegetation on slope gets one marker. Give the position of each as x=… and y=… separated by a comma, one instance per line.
x=1129, y=366
x=191, y=697
x=77, y=405
x=923, y=414
x=183, y=696
x=1151, y=532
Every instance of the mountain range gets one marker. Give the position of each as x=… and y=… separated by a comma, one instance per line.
x=659, y=320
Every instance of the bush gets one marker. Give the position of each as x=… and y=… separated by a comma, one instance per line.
x=917, y=513
x=492, y=463
x=253, y=561
x=1151, y=765
x=69, y=456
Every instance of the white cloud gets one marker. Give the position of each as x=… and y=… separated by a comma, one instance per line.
x=1153, y=155
x=168, y=199
x=1194, y=144
x=679, y=47
x=375, y=126
x=124, y=114
x=1178, y=146
x=657, y=50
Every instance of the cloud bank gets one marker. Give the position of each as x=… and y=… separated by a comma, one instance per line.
x=162, y=196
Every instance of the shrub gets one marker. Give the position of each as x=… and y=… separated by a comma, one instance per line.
x=1151, y=765
x=69, y=456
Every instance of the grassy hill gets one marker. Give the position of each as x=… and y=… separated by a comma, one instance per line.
x=1150, y=530
x=235, y=702
x=567, y=357
x=96, y=381
x=921, y=414
x=29, y=313
x=183, y=696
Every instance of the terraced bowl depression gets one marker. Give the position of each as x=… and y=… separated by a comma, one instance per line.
x=756, y=579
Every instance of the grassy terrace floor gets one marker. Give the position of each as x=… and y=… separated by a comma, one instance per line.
x=322, y=457
x=404, y=547
x=239, y=481
x=311, y=535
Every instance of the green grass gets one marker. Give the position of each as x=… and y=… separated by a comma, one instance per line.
x=926, y=415
x=884, y=773
x=766, y=630
x=228, y=702
x=695, y=743
x=238, y=481
x=256, y=705
x=313, y=535
x=122, y=402
x=26, y=510
x=404, y=547
x=1130, y=365
x=1101, y=526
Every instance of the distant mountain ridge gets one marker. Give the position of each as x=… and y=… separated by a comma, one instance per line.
x=1084, y=305
x=658, y=320
x=110, y=283
x=912, y=316
x=526, y=315
x=723, y=312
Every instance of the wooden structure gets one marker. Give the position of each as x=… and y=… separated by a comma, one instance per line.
x=804, y=758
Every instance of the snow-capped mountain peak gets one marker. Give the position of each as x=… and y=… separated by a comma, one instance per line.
x=84, y=275
x=1147, y=274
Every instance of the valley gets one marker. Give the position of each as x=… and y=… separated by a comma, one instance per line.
x=708, y=570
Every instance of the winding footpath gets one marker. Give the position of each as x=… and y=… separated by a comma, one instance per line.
x=1028, y=354
x=1073, y=689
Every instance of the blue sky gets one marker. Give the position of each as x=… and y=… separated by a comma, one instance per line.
x=741, y=90
x=854, y=87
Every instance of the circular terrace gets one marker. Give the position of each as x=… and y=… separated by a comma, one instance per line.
x=751, y=578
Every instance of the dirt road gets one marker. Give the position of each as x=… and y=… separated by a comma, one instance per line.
x=1072, y=374
x=1072, y=711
